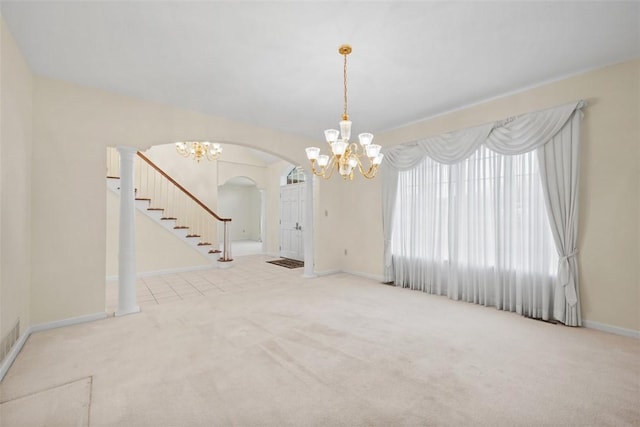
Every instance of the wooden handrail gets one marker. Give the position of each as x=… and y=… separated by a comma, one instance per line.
x=184, y=190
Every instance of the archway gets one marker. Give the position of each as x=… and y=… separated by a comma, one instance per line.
x=240, y=198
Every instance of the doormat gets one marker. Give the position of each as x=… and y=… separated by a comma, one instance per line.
x=287, y=262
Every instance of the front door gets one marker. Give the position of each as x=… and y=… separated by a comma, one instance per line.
x=292, y=198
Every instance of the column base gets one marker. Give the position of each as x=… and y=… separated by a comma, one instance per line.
x=124, y=312
x=224, y=263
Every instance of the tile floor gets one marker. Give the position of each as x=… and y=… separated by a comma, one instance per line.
x=247, y=272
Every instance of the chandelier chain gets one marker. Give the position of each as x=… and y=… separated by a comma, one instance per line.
x=344, y=74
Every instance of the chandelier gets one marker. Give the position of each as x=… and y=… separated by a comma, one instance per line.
x=345, y=156
x=198, y=150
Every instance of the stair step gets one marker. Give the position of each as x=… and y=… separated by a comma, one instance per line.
x=180, y=227
x=155, y=209
x=168, y=218
x=204, y=244
x=193, y=235
x=215, y=251
x=143, y=198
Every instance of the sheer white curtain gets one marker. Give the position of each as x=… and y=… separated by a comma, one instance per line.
x=469, y=214
x=476, y=231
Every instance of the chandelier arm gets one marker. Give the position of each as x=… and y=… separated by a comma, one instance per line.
x=212, y=155
x=322, y=173
x=360, y=168
x=371, y=173
x=315, y=171
x=331, y=166
x=182, y=150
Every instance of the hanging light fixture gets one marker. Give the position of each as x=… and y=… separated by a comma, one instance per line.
x=198, y=150
x=345, y=156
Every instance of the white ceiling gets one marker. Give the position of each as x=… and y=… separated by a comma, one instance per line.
x=276, y=64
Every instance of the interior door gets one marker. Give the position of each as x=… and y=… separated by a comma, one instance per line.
x=292, y=198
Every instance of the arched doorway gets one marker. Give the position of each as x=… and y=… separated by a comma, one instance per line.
x=241, y=199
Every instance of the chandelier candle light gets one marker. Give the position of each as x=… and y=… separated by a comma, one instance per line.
x=345, y=156
x=199, y=150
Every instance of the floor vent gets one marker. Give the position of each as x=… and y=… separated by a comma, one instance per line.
x=9, y=340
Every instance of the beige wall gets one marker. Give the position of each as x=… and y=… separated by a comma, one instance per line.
x=16, y=87
x=609, y=185
x=242, y=203
x=336, y=224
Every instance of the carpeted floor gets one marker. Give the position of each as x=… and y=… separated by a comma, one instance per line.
x=270, y=348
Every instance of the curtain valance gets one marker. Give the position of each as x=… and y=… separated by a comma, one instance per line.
x=515, y=135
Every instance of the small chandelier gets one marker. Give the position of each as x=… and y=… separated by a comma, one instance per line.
x=199, y=150
x=345, y=156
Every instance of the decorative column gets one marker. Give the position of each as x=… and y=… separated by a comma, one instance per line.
x=127, y=238
x=263, y=216
x=308, y=226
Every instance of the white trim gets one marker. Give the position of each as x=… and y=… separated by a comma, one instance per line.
x=328, y=272
x=632, y=333
x=67, y=322
x=11, y=357
x=376, y=277
x=17, y=347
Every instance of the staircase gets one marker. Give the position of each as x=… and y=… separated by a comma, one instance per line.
x=170, y=205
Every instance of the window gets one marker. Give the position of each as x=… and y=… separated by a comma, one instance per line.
x=295, y=176
x=464, y=229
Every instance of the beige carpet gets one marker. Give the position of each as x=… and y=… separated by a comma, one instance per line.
x=274, y=349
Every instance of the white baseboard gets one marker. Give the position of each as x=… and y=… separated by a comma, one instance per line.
x=67, y=322
x=611, y=329
x=375, y=277
x=17, y=347
x=353, y=273
x=327, y=272
x=8, y=361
